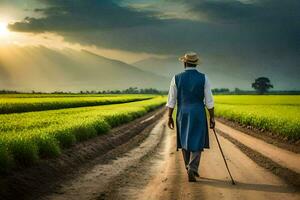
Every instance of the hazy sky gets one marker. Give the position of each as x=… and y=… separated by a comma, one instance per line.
x=243, y=33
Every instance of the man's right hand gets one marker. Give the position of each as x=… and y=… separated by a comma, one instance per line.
x=171, y=123
x=212, y=123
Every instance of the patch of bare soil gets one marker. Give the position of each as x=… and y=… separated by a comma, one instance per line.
x=283, y=172
x=266, y=136
x=45, y=176
x=133, y=179
x=103, y=175
x=162, y=175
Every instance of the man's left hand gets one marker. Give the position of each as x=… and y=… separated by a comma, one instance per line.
x=212, y=123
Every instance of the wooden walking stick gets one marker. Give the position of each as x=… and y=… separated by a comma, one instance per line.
x=232, y=181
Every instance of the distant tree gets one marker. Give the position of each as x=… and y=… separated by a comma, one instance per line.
x=149, y=91
x=220, y=90
x=131, y=90
x=237, y=90
x=262, y=85
x=9, y=92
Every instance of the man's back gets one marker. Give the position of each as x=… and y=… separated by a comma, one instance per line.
x=190, y=87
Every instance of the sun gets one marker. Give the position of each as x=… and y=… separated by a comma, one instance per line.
x=3, y=29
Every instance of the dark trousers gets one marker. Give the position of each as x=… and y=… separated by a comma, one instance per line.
x=191, y=160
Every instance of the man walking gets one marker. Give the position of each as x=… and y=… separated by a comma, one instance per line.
x=191, y=90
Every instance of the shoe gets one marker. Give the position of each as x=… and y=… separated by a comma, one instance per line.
x=196, y=173
x=191, y=176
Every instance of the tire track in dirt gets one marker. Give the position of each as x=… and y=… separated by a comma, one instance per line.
x=283, y=172
x=153, y=169
x=281, y=156
x=91, y=182
x=253, y=181
x=46, y=176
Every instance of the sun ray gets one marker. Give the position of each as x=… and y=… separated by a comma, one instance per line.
x=3, y=29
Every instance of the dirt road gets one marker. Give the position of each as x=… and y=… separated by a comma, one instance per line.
x=154, y=170
x=281, y=156
x=253, y=182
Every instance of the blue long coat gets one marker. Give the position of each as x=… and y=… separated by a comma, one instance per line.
x=191, y=122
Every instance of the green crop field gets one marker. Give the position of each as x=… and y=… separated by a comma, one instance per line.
x=26, y=137
x=59, y=121
x=279, y=114
x=27, y=102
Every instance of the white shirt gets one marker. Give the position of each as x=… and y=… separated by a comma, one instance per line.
x=208, y=98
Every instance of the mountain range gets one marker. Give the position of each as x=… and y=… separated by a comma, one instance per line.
x=231, y=74
x=43, y=69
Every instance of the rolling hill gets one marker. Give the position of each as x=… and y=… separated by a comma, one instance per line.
x=43, y=69
x=225, y=72
x=163, y=66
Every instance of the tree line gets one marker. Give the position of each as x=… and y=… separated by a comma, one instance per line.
x=261, y=85
x=130, y=90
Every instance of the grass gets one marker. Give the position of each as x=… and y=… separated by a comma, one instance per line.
x=293, y=100
x=27, y=137
x=279, y=114
x=30, y=102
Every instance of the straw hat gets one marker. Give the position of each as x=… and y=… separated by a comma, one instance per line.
x=190, y=57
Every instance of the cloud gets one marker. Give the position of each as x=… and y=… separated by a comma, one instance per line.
x=252, y=34
x=268, y=23
x=266, y=18
x=260, y=25
x=83, y=15
x=225, y=11
x=244, y=10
